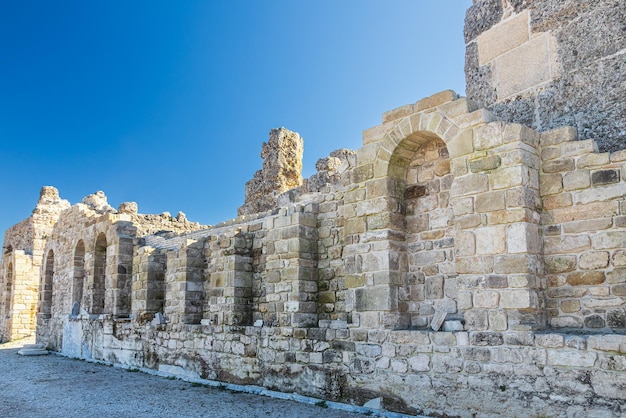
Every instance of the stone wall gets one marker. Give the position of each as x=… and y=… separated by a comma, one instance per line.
x=453, y=258
x=468, y=260
x=22, y=259
x=550, y=63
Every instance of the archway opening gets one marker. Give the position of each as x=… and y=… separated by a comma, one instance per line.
x=99, y=276
x=421, y=164
x=45, y=290
x=79, y=277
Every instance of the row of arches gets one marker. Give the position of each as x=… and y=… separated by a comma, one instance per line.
x=95, y=288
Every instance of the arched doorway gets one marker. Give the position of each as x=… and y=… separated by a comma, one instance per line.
x=46, y=288
x=99, y=276
x=79, y=278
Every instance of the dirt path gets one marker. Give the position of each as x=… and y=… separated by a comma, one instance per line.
x=55, y=386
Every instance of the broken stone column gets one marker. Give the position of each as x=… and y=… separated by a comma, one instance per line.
x=282, y=171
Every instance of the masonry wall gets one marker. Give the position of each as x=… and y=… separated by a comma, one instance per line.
x=455, y=264
x=550, y=63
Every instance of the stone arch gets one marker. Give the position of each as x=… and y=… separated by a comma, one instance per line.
x=46, y=288
x=420, y=166
x=99, y=275
x=418, y=128
x=78, y=279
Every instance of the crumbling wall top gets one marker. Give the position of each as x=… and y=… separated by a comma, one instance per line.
x=282, y=171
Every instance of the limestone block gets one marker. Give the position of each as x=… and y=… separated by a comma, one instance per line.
x=434, y=287
x=508, y=177
x=470, y=184
x=363, y=173
x=558, y=166
x=566, y=322
x=485, y=163
x=476, y=118
x=518, y=299
x=436, y=99
x=379, y=298
x=619, y=258
x=594, y=260
x=523, y=238
x=549, y=340
x=529, y=65
x=571, y=358
x=498, y=320
x=559, y=135
x=488, y=136
x=607, y=240
x=490, y=240
x=460, y=106
x=585, y=278
x=465, y=243
x=595, y=303
x=486, y=299
x=458, y=166
x=503, y=37
x=420, y=363
x=399, y=112
x=569, y=244
x=367, y=153
x=556, y=201
x=550, y=153
x=570, y=305
x=560, y=264
x=515, y=132
x=574, y=180
x=609, y=384
x=591, y=160
x=462, y=206
x=574, y=149
x=474, y=265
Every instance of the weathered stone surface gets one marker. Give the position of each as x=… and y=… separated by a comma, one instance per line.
x=585, y=278
x=559, y=88
x=501, y=239
x=282, y=171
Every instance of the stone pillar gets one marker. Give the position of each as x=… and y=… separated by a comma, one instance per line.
x=229, y=287
x=291, y=268
x=375, y=250
x=495, y=198
x=148, y=288
x=184, y=299
x=20, y=300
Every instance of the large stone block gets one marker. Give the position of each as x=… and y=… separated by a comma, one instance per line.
x=523, y=238
x=380, y=298
x=436, y=99
x=585, y=278
x=529, y=65
x=470, y=184
x=503, y=37
x=519, y=299
x=491, y=240
x=488, y=136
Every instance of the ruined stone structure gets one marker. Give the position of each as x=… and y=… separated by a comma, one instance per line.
x=455, y=264
x=551, y=63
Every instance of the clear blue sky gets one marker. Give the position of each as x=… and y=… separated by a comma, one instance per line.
x=167, y=103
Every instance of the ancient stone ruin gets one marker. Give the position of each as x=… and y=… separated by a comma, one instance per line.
x=459, y=263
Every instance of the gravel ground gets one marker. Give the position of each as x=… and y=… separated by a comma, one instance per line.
x=55, y=386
